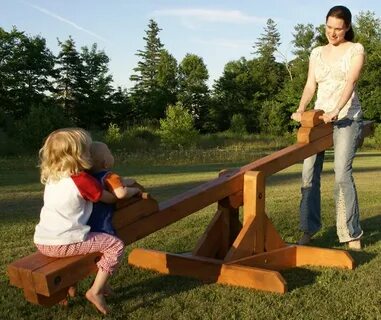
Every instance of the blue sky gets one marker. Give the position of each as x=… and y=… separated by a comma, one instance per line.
x=217, y=31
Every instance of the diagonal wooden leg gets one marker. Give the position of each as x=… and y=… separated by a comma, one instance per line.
x=220, y=233
x=298, y=256
x=244, y=244
x=314, y=256
x=273, y=240
x=210, y=242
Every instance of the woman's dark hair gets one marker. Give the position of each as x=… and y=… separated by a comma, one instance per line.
x=343, y=13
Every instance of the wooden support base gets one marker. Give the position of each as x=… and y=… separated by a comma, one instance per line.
x=259, y=271
x=209, y=270
x=253, y=259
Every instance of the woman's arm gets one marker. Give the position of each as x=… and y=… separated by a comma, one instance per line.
x=308, y=91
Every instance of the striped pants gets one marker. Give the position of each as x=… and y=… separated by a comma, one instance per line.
x=111, y=247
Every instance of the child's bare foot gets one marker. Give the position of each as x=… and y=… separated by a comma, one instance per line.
x=64, y=302
x=107, y=290
x=98, y=301
x=72, y=291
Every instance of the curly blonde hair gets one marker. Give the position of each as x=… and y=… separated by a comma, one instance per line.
x=64, y=153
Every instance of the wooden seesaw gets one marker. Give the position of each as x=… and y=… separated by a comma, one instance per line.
x=247, y=254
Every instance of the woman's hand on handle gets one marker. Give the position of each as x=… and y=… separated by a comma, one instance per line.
x=330, y=116
x=297, y=116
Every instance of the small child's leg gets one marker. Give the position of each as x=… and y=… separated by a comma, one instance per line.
x=95, y=293
x=107, y=290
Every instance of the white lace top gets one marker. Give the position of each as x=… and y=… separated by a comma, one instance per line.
x=331, y=80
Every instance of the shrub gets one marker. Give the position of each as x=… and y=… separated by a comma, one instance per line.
x=144, y=133
x=140, y=138
x=113, y=136
x=238, y=123
x=177, y=129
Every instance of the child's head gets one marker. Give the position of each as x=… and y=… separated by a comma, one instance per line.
x=64, y=153
x=101, y=156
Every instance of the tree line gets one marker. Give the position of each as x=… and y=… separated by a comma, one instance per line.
x=40, y=91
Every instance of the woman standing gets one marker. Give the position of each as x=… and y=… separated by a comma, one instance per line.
x=334, y=70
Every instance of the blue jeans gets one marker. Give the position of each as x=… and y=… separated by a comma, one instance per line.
x=346, y=137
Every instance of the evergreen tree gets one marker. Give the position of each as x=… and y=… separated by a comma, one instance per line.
x=147, y=67
x=145, y=90
x=268, y=42
x=70, y=82
x=268, y=74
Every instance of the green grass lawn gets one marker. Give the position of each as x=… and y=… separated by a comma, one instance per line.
x=314, y=293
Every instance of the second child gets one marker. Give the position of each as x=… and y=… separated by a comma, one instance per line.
x=103, y=160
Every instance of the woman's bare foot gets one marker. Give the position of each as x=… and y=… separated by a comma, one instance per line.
x=98, y=301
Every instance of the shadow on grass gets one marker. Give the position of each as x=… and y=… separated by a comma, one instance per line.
x=289, y=176
x=165, y=192
x=20, y=211
x=299, y=277
x=361, y=154
x=153, y=290
x=163, y=286
x=178, y=169
x=329, y=155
